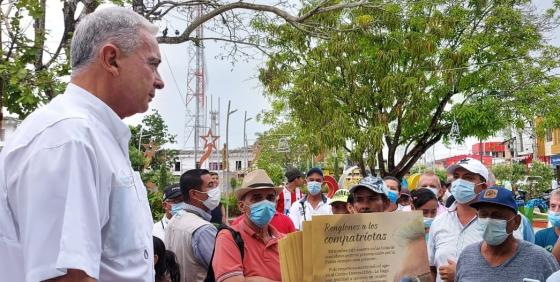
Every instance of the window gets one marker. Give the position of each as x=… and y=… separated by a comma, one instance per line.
x=177, y=166
x=549, y=135
x=215, y=166
x=237, y=165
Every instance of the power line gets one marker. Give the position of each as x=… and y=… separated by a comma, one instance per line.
x=181, y=96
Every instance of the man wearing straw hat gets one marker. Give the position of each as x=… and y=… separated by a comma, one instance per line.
x=257, y=201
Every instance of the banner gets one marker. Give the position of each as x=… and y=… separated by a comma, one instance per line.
x=357, y=247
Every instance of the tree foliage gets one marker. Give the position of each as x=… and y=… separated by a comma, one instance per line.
x=546, y=173
x=398, y=74
x=32, y=72
x=512, y=172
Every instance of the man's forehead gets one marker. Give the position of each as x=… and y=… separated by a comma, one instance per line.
x=261, y=192
x=363, y=191
x=490, y=208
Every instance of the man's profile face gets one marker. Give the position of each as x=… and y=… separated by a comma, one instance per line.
x=138, y=76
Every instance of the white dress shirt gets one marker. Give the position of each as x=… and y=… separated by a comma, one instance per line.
x=69, y=198
x=159, y=228
x=303, y=211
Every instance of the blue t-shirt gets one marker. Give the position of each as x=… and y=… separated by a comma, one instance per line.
x=546, y=238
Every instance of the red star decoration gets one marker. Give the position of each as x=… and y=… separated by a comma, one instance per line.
x=210, y=136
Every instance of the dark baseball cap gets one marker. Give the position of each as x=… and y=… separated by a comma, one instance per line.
x=172, y=191
x=496, y=195
x=293, y=174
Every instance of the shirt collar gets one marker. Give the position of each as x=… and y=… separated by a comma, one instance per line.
x=323, y=198
x=198, y=211
x=102, y=112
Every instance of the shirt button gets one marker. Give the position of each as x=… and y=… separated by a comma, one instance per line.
x=146, y=254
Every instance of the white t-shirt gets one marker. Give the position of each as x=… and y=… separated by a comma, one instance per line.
x=298, y=214
x=69, y=198
x=159, y=228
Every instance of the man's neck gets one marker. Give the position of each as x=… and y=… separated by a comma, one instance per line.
x=314, y=200
x=262, y=232
x=497, y=255
x=199, y=205
x=465, y=213
x=168, y=215
x=291, y=187
x=557, y=230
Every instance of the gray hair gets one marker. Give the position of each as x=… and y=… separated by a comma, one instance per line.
x=116, y=25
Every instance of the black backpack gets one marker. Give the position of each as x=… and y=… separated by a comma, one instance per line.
x=238, y=241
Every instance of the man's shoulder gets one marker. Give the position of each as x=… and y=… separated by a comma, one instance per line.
x=442, y=220
x=470, y=251
x=545, y=232
x=527, y=248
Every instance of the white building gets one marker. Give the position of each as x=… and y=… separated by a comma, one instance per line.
x=239, y=161
x=9, y=125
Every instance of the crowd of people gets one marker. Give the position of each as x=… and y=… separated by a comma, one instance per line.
x=73, y=209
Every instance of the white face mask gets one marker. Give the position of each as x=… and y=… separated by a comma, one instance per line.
x=434, y=190
x=213, y=198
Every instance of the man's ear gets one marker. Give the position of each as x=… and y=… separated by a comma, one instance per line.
x=241, y=206
x=386, y=203
x=109, y=54
x=517, y=222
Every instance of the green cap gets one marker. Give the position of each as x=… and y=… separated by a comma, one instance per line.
x=341, y=195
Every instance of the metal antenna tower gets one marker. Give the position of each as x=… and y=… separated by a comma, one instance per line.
x=195, y=116
x=215, y=127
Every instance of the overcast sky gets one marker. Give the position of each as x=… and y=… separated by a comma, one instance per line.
x=237, y=83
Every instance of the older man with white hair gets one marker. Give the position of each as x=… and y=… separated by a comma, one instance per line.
x=71, y=206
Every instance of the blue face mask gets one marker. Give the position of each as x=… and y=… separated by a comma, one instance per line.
x=463, y=191
x=428, y=222
x=176, y=208
x=262, y=212
x=314, y=187
x=494, y=230
x=393, y=196
x=554, y=218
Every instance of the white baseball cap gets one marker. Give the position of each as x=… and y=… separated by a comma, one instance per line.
x=472, y=165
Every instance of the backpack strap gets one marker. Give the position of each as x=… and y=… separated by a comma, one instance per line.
x=238, y=241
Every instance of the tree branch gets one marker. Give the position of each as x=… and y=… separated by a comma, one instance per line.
x=291, y=19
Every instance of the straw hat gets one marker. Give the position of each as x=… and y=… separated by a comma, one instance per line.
x=254, y=180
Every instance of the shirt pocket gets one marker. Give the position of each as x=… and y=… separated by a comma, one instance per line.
x=124, y=232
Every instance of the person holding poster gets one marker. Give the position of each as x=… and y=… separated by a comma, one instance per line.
x=370, y=195
x=259, y=260
x=314, y=203
x=502, y=257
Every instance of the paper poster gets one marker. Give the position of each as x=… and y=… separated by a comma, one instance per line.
x=364, y=247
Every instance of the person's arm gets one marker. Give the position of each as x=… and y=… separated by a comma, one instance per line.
x=295, y=215
x=203, y=244
x=55, y=190
x=224, y=215
x=556, y=250
x=73, y=275
x=447, y=272
x=227, y=262
x=431, y=252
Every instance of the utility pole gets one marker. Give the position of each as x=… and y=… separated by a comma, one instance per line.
x=225, y=177
x=245, y=143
